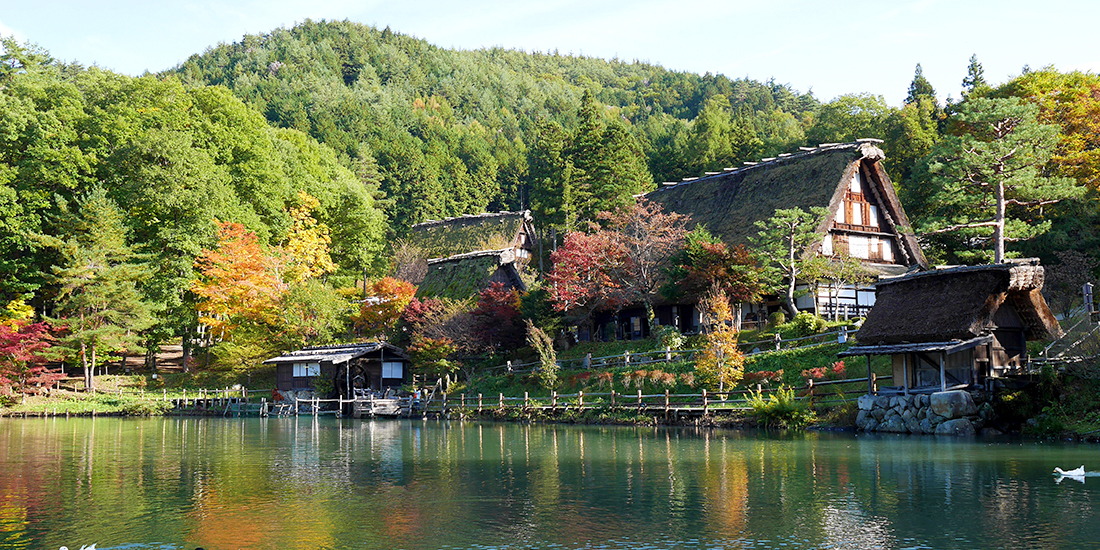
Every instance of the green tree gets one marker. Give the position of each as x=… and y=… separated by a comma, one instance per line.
x=990, y=175
x=99, y=303
x=784, y=243
x=848, y=118
x=920, y=88
x=974, y=82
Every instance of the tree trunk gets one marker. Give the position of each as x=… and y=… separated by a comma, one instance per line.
x=999, y=228
x=791, y=308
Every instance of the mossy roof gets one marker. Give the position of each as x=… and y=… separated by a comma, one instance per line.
x=465, y=275
x=957, y=304
x=729, y=203
x=452, y=236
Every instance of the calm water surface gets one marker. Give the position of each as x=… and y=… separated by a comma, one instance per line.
x=171, y=483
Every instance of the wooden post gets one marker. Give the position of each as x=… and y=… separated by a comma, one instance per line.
x=704, y=401
x=943, y=372
x=874, y=383
x=501, y=397
x=525, y=397
x=810, y=385
x=580, y=401
x=639, y=399
x=612, y=398
x=553, y=401
x=479, y=403
x=870, y=382
x=666, y=403
x=443, y=407
x=463, y=400
x=668, y=354
x=626, y=358
x=905, y=372
x=165, y=395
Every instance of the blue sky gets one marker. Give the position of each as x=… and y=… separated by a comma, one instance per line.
x=831, y=48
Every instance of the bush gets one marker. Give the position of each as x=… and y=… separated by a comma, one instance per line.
x=805, y=324
x=780, y=409
x=669, y=337
x=777, y=318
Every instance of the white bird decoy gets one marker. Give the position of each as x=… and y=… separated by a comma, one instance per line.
x=1079, y=471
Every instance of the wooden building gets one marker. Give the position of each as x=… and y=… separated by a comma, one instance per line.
x=957, y=328
x=373, y=366
x=865, y=219
x=465, y=275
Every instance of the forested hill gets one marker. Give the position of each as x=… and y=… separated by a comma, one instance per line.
x=449, y=132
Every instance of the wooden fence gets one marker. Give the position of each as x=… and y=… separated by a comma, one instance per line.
x=632, y=359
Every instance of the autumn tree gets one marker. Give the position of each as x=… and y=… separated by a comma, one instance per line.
x=784, y=242
x=22, y=365
x=307, y=243
x=239, y=282
x=581, y=281
x=989, y=176
x=385, y=301
x=705, y=264
x=498, y=323
x=721, y=361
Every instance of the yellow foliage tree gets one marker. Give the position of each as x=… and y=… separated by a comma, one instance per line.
x=307, y=244
x=721, y=360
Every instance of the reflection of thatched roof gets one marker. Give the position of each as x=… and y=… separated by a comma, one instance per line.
x=958, y=304
x=730, y=202
x=465, y=275
x=451, y=236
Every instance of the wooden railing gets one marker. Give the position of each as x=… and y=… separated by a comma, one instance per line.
x=630, y=359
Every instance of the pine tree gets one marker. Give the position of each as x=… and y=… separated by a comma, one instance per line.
x=974, y=82
x=991, y=175
x=920, y=88
x=99, y=302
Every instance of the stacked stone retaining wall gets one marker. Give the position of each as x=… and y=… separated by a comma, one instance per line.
x=954, y=412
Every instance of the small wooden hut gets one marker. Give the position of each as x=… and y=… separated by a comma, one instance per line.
x=957, y=328
x=373, y=366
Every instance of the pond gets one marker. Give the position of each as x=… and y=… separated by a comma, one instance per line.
x=182, y=483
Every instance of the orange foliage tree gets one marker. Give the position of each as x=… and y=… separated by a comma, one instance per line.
x=386, y=300
x=239, y=282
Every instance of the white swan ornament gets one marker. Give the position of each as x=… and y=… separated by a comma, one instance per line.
x=1078, y=471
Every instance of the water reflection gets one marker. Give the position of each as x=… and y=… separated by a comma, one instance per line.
x=325, y=483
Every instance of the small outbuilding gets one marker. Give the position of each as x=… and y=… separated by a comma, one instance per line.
x=957, y=328
x=372, y=366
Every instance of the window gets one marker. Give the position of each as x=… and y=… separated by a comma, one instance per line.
x=827, y=245
x=872, y=217
x=857, y=213
x=858, y=247
x=855, y=186
x=394, y=369
x=888, y=250
x=840, y=214
x=305, y=370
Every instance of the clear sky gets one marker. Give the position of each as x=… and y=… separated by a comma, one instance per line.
x=829, y=47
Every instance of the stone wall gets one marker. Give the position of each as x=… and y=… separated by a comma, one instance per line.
x=944, y=413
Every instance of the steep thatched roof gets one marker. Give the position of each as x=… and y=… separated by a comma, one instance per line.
x=730, y=202
x=451, y=236
x=957, y=304
x=465, y=275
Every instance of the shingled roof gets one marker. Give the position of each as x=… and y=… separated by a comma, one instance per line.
x=728, y=203
x=451, y=236
x=957, y=304
x=465, y=275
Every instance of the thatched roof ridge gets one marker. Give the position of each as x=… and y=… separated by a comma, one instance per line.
x=957, y=304
x=729, y=203
x=450, y=236
x=462, y=276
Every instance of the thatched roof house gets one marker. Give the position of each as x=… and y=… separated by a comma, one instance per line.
x=465, y=234
x=465, y=275
x=959, y=326
x=865, y=217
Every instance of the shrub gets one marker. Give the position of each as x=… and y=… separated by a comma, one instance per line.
x=780, y=409
x=688, y=379
x=777, y=318
x=805, y=324
x=669, y=337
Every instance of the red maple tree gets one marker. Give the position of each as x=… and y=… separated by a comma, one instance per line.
x=22, y=367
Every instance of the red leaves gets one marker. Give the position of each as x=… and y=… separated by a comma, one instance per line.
x=387, y=301
x=20, y=361
x=239, y=281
